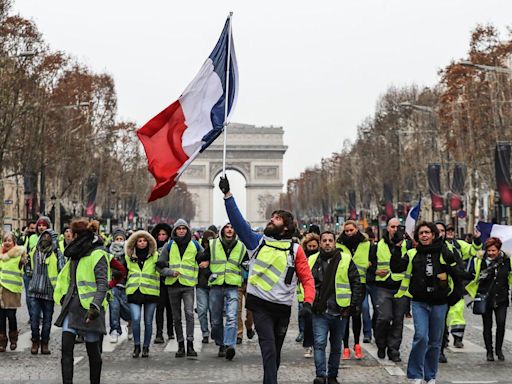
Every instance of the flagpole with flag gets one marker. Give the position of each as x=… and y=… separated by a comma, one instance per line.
x=177, y=135
x=413, y=217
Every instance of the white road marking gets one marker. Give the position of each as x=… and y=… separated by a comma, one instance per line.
x=77, y=359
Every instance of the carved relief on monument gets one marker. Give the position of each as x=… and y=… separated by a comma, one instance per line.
x=243, y=167
x=195, y=172
x=267, y=172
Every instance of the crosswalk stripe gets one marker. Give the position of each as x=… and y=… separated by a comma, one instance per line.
x=172, y=345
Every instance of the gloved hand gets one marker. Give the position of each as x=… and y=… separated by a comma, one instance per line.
x=306, y=311
x=224, y=184
x=92, y=313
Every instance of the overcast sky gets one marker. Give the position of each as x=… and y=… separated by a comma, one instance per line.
x=315, y=68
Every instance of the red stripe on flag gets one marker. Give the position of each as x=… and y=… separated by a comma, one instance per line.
x=161, y=138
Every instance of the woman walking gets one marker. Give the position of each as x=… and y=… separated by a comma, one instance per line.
x=428, y=282
x=12, y=260
x=493, y=276
x=142, y=286
x=81, y=289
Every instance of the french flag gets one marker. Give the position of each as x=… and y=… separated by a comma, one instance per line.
x=412, y=218
x=177, y=135
x=502, y=232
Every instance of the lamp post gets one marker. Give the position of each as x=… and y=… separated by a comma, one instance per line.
x=53, y=199
x=74, y=202
x=489, y=68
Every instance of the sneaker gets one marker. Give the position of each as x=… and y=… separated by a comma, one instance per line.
x=114, y=336
x=367, y=339
x=300, y=337
x=358, y=354
x=250, y=333
x=230, y=353
x=381, y=353
x=431, y=381
x=308, y=352
x=159, y=339
x=394, y=356
x=319, y=380
x=346, y=354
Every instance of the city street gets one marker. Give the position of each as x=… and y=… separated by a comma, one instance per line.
x=464, y=366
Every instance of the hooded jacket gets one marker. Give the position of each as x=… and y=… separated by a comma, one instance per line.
x=131, y=253
x=154, y=232
x=162, y=265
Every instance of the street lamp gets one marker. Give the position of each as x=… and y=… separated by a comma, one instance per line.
x=484, y=67
x=74, y=202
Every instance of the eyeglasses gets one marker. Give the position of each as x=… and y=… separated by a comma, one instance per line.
x=424, y=232
x=393, y=226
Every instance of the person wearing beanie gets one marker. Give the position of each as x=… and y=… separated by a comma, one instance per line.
x=225, y=256
x=214, y=229
x=142, y=286
x=81, y=289
x=162, y=233
x=313, y=228
x=44, y=264
x=178, y=264
x=118, y=305
x=203, y=290
x=12, y=259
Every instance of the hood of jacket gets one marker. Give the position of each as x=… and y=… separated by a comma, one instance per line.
x=129, y=245
x=179, y=223
x=166, y=227
x=53, y=235
x=16, y=251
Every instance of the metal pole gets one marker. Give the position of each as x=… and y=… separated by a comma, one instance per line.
x=226, y=103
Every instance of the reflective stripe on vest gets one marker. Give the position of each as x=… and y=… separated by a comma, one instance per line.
x=85, y=279
x=147, y=280
x=186, y=265
x=404, y=287
x=360, y=257
x=11, y=276
x=342, y=283
x=270, y=264
x=383, y=259
x=227, y=269
x=51, y=266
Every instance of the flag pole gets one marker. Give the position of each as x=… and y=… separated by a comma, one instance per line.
x=226, y=103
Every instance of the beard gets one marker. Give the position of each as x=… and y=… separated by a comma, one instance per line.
x=272, y=230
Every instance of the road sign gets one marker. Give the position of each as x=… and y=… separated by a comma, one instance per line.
x=462, y=214
x=8, y=202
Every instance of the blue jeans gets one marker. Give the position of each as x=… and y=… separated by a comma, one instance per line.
x=203, y=308
x=89, y=337
x=429, y=323
x=224, y=298
x=334, y=326
x=38, y=306
x=301, y=320
x=149, y=314
x=367, y=319
x=118, y=309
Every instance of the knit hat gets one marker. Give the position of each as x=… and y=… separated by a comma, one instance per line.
x=44, y=219
x=214, y=229
x=118, y=232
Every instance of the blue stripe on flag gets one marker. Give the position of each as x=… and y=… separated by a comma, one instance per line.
x=485, y=229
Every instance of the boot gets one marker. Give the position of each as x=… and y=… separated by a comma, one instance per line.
x=136, y=351
x=3, y=341
x=181, y=349
x=145, y=351
x=35, y=347
x=457, y=342
x=490, y=355
x=44, y=348
x=67, y=362
x=501, y=356
x=13, y=339
x=95, y=362
x=190, y=349
x=159, y=339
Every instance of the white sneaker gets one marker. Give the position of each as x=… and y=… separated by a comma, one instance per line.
x=308, y=352
x=431, y=381
x=417, y=381
x=114, y=336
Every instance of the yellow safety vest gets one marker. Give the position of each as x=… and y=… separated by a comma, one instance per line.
x=300, y=289
x=51, y=266
x=383, y=259
x=227, y=269
x=472, y=287
x=11, y=276
x=186, y=266
x=85, y=279
x=404, y=287
x=270, y=264
x=360, y=257
x=147, y=280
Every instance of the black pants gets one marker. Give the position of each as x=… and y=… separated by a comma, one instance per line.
x=164, y=305
x=271, y=329
x=11, y=315
x=390, y=319
x=357, y=323
x=501, y=316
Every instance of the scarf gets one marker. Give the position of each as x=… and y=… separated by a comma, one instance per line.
x=81, y=246
x=351, y=242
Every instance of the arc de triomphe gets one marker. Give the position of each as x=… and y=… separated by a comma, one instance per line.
x=255, y=152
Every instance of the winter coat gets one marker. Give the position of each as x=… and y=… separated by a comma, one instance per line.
x=138, y=297
x=497, y=270
x=9, y=299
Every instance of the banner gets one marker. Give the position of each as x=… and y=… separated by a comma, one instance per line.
x=503, y=179
x=434, y=187
x=457, y=187
x=388, y=200
x=352, y=205
x=91, y=188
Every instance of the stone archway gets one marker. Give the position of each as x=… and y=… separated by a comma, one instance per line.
x=257, y=153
